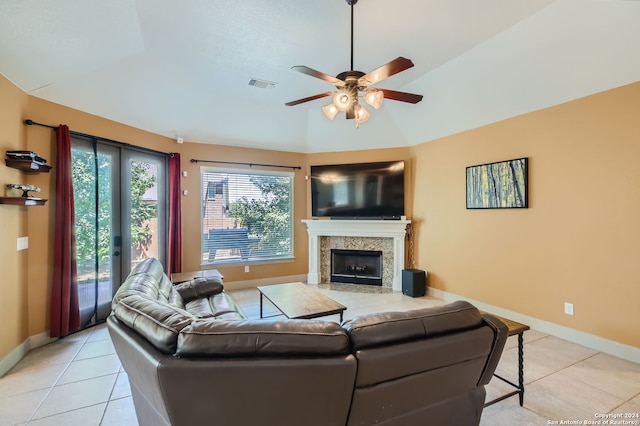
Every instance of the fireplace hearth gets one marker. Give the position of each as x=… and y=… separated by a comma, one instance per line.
x=356, y=267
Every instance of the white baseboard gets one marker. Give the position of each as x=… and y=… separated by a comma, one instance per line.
x=9, y=361
x=238, y=285
x=597, y=343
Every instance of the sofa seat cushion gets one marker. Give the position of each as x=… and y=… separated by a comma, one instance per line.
x=217, y=306
x=158, y=322
x=262, y=338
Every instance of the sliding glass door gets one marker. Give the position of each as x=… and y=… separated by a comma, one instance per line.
x=120, y=210
x=145, y=221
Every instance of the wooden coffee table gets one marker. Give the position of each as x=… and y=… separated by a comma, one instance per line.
x=297, y=300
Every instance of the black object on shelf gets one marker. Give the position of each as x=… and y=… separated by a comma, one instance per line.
x=26, y=155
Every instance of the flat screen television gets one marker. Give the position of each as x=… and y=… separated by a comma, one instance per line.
x=358, y=191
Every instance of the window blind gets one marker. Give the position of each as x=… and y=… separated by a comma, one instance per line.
x=246, y=215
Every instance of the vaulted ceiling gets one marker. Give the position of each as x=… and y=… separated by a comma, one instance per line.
x=182, y=68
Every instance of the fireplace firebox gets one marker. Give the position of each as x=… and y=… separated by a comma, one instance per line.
x=356, y=267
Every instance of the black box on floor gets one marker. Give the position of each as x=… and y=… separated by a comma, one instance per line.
x=414, y=282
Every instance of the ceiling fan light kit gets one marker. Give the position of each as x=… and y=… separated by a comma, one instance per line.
x=345, y=99
x=350, y=85
x=362, y=114
x=374, y=97
x=330, y=111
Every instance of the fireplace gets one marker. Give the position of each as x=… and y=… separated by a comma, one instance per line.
x=385, y=235
x=356, y=267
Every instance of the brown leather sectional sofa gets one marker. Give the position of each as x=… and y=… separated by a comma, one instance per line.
x=193, y=359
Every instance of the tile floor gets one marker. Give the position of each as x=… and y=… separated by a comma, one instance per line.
x=78, y=380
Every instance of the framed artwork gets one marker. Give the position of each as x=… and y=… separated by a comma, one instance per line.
x=500, y=185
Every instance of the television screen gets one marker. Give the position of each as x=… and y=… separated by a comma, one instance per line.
x=363, y=190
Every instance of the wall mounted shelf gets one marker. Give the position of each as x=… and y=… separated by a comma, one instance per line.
x=27, y=166
x=23, y=201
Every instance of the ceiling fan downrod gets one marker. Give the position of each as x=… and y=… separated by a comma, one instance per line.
x=351, y=3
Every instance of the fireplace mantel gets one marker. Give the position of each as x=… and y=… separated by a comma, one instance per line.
x=395, y=229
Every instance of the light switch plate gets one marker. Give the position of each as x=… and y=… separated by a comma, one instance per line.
x=23, y=243
x=568, y=308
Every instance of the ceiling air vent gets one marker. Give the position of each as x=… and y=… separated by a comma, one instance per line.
x=262, y=84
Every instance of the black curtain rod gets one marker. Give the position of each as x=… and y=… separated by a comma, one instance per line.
x=193, y=160
x=29, y=122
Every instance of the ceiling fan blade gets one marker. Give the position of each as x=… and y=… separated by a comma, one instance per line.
x=318, y=74
x=310, y=98
x=401, y=96
x=387, y=70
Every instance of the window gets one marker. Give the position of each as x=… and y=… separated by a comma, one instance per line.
x=246, y=215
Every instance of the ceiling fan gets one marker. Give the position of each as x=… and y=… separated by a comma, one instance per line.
x=351, y=84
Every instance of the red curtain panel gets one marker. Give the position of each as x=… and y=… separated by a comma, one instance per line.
x=174, y=257
x=65, y=311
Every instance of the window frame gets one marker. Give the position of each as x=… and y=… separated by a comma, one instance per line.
x=204, y=197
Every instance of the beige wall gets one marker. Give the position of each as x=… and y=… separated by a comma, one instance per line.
x=13, y=222
x=579, y=241
x=191, y=207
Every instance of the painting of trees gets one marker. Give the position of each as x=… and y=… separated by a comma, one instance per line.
x=498, y=185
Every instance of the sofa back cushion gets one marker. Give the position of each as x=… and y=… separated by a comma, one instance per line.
x=149, y=266
x=160, y=323
x=391, y=327
x=147, y=303
x=262, y=338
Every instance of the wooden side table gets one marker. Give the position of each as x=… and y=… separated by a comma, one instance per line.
x=515, y=328
x=179, y=277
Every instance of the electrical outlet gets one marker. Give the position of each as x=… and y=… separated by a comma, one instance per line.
x=22, y=243
x=568, y=308
x=246, y=268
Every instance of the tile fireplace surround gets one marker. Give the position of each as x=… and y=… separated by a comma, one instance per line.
x=385, y=235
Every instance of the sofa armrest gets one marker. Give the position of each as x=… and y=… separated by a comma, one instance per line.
x=199, y=288
x=500, y=332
